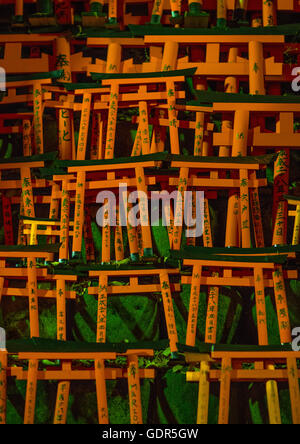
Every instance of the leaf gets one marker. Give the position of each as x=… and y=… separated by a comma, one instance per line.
x=177, y=368
x=167, y=352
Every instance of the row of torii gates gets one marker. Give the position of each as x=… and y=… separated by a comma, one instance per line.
x=169, y=94
x=117, y=13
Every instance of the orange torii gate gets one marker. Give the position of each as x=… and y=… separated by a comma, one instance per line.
x=211, y=169
x=60, y=292
x=262, y=366
x=96, y=175
x=9, y=124
x=30, y=254
x=71, y=352
x=258, y=268
x=243, y=136
x=133, y=275
x=36, y=95
x=26, y=183
x=295, y=202
x=212, y=65
x=122, y=91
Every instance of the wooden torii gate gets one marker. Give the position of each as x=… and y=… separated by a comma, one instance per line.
x=92, y=175
x=264, y=367
x=284, y=139
x=134, y=275
x=190, y=170
x=249, y=268
x=71, y=352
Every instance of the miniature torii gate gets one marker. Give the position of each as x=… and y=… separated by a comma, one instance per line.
x=68, y=352
x=133, y=274
x=135, y=177
x=36, y=95
x=211, y=66
x=264, y=369
x=215, y=165
x=295, y=202
x=260, y=266
x=60, y=293
x=25, y=184
x=285, y=136
x=30, y=253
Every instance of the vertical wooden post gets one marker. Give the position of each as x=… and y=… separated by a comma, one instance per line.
x=256, y=86
x=84, y=126
x=245, y=212
x=172, y=114
x=157, y=11
x=102, y=308
x=134, y=389
x=256, y=68
x=240, y=133
x=256, y=215
x=32, y=297
x=179, y=208
x=296, y=231
x=144, y=127
x=88, y=236
x=239, y=148
x=63, y=62
x=38, y=117
x=79, y=213
x=113, y=65
x=260, y=307
x=101, y=337
x=62, y=401
x=19, y=8
x=101, y=392
x=169, y=60
x=273, y=400
x=225, y=391
x=27, y=135
x=281, y=306
x=232, y=224
x=63, y=389
x=119, y=246
x=158, y=134
x=131, y=231
x=280, y=206
x=169, y=310
x=31, y=391
x=64, y=221
x=294, y=389
x=112, y=11
x=221, y=13
x=194, y=306
x=169, y=63
x=199, y=134
x=137, y=146
x=203, y=394
x=61, y=309
x=27, y=194
x=144, y=212
x=213, y=292
x=269, y=13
